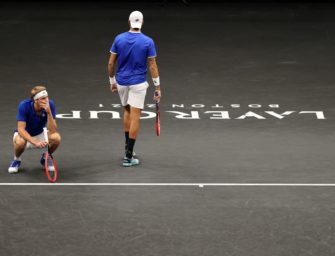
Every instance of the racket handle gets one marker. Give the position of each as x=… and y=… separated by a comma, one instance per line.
x=45, y=132
x=156, y=94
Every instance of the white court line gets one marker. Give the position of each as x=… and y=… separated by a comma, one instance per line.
x=179, y=184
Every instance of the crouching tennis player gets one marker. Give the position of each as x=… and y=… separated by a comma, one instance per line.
x=33, y=115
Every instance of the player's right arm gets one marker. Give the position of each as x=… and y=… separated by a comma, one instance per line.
x=21, y=128
x=111, y=71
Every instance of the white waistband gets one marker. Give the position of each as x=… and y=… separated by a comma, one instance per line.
x=144, y=83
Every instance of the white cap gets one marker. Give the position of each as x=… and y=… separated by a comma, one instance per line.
x=136, y=19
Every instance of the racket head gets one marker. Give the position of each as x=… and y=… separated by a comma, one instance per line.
x=50, y=164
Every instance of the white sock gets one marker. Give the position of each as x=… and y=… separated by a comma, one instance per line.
x=17, y=158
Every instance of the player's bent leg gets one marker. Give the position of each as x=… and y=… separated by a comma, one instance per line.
x=19, y=146
x=54, y=140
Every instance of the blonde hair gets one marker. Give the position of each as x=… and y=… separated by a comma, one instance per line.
x=36, y=90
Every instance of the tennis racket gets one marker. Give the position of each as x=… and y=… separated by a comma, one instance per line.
x=158, y=118
x=50, y=163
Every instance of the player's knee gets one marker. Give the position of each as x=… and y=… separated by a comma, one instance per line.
x=20, y=142
x=55, y=138
x=135, y=113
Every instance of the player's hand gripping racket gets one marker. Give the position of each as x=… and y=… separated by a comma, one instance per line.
x=158, y=117
x=50, y=163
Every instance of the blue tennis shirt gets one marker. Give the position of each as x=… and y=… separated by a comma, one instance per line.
x=34, y=123
x=132, y=51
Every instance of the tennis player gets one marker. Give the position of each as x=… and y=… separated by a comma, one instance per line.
x=33, y=115
x=132, y=51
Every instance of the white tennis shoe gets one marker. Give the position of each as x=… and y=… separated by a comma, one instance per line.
x=127, y=162
x=14, y=166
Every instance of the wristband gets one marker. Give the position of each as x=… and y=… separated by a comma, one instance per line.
x=112, y=80
x=156, y=81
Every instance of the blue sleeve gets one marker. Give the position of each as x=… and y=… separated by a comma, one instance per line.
x=53, y=109
x=152, y=49
x=113, y=49
x=22, y=113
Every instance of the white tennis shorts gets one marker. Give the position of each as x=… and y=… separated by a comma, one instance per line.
x=133, y=95
x=39, y=137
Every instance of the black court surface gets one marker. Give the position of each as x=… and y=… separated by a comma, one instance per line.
x=245, y=161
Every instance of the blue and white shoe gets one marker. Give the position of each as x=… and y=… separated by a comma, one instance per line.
x=127, y=162
x=50, y=165
x=125, y=153
x=14, y=166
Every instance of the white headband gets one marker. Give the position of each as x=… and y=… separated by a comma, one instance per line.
x=41, y=94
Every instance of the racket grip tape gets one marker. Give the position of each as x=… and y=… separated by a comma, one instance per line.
x=45, y=133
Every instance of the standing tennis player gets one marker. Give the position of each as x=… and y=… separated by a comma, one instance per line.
x=132, y=51
x=33, y=115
